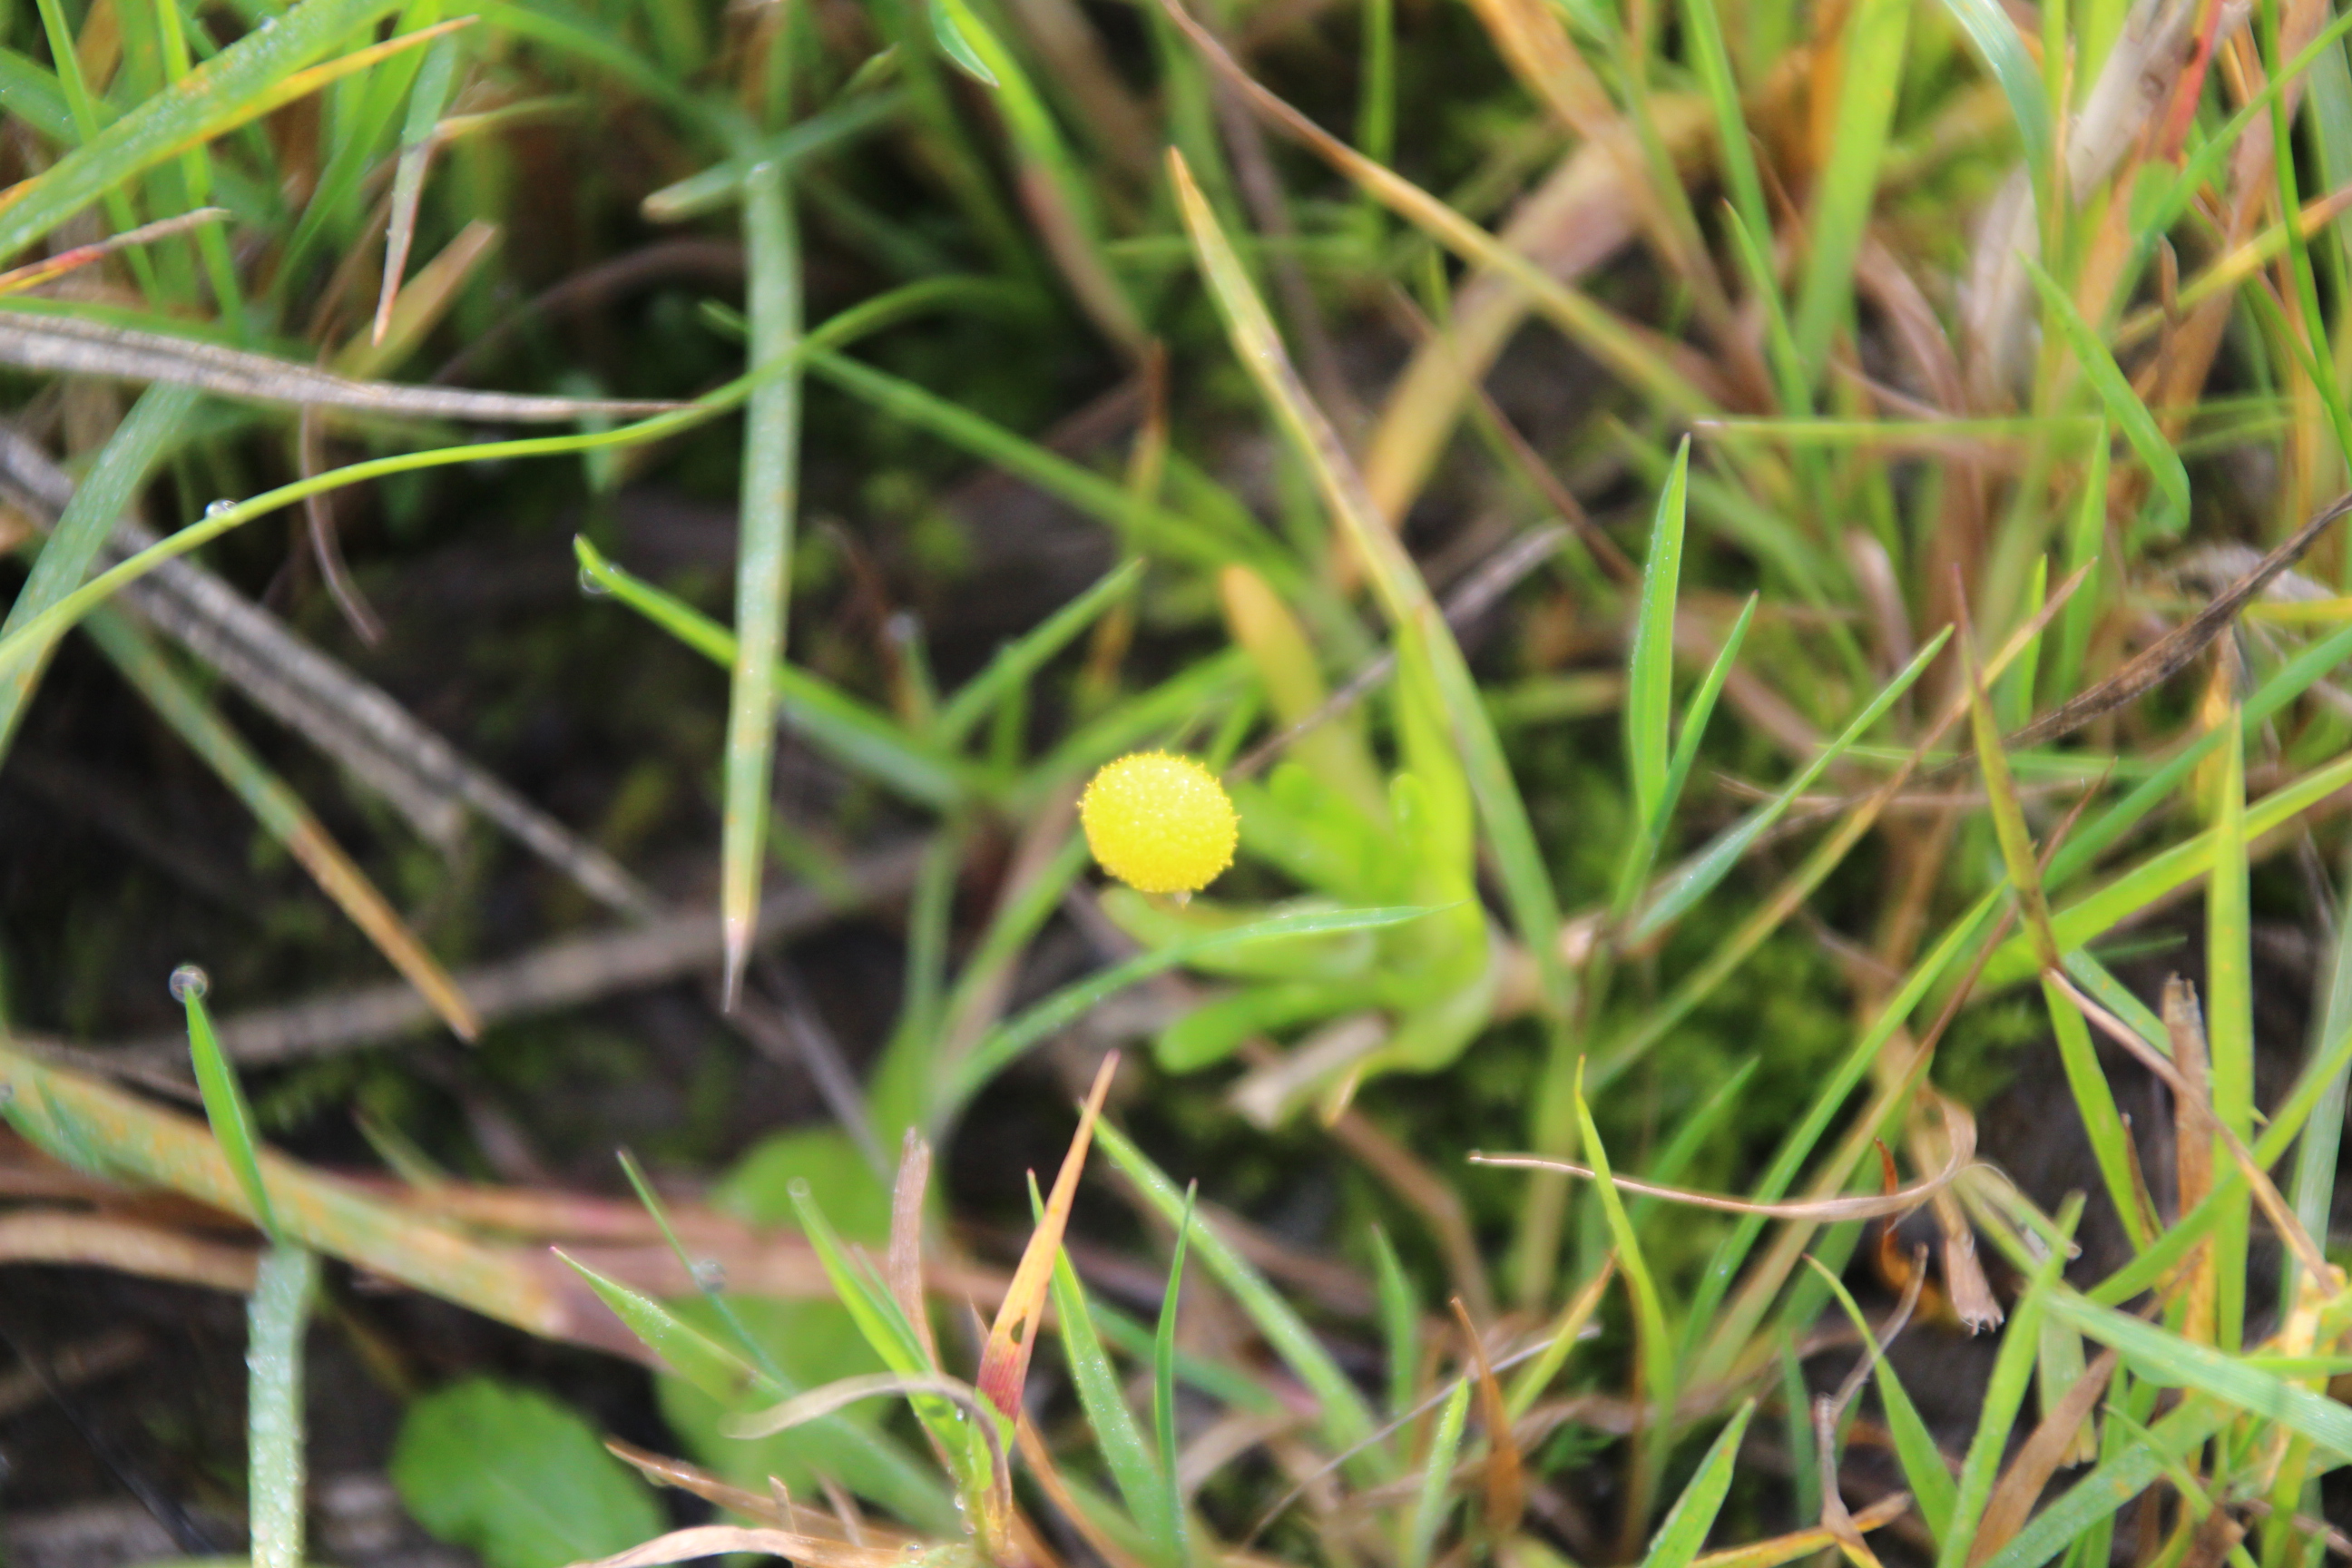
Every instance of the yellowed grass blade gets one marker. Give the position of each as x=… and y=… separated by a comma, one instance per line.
x=1005, y=1360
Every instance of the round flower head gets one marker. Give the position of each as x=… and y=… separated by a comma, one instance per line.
x=1160, y=824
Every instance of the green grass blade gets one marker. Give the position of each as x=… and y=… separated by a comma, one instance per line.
x=2148, y=442
x=2165, y=1358
x=2313, y=1189
x=1649, y=671
x=2095, y=1099
x=1017, y=660
x=1695, y=722
x=2230, y=1018
x=224, y=1107
x=650, y=1201
x=855, y=733
x=277, y=1316
x=1654, y=1350
x=2114, y=1482
x=1004, y=1044
x=1684, y=1531
x=685, y=1349
x=1118, y=1437
x=1875, y=35
x=1169, y=1509
x=1400, y=1323
x=1345, y=1419
x=1998, y=45
x=1933, y=1490
x=2012, y=1372
x=151, y=428
x=1695, y=878
x=2081, y=922
x=232, y=87
x=1433, y=1499
x=769, y=503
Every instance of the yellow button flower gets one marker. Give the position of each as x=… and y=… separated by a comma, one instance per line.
x=1159, y=822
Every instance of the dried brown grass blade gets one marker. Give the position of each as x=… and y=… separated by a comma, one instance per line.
x=2266, y=1193
x=1804, y=1542
x=1961, y=1124
x=718, y=1540
x=2172, y=652
x=2051, y=1446
x=67, y=345
x=906, y=1239
x=49, y=268
x=2192, y=1152
x=1005, y=1360
x=1506, y=1487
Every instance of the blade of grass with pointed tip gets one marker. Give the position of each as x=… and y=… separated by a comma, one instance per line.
x=277, y=1315
x=1697, y=876
x=683, y=1348
x=1695, y=722
x=2012, y=1372
x=1400, y=1323
x=650, y=1201
x=1118, y=1438
x=1997, y=43
x=1684, y=1531
x=426, y=99
x=1933, y=1489
x=118, y=474
x=260, y=73
x=1004, y=1358
x=1432, y=1498
x=1876, y=32
x=1345, y=1419
x=1004, y=1044
x=2148, y=442
x=769, y=505
x=1017, y=660
x=1055, y=186
x=1650, y=669
x=224, y=1107
x=855, y=733
x=282, y=814
x=1170, y=1507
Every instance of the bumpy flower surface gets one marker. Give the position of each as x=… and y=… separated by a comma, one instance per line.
x=1159, y=822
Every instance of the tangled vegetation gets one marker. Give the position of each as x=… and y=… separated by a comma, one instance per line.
x=1709, y=639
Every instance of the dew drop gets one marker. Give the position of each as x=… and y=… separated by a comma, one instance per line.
x=590, y=588
x=709, y=1274
x=219, y=507
x=190, y=981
